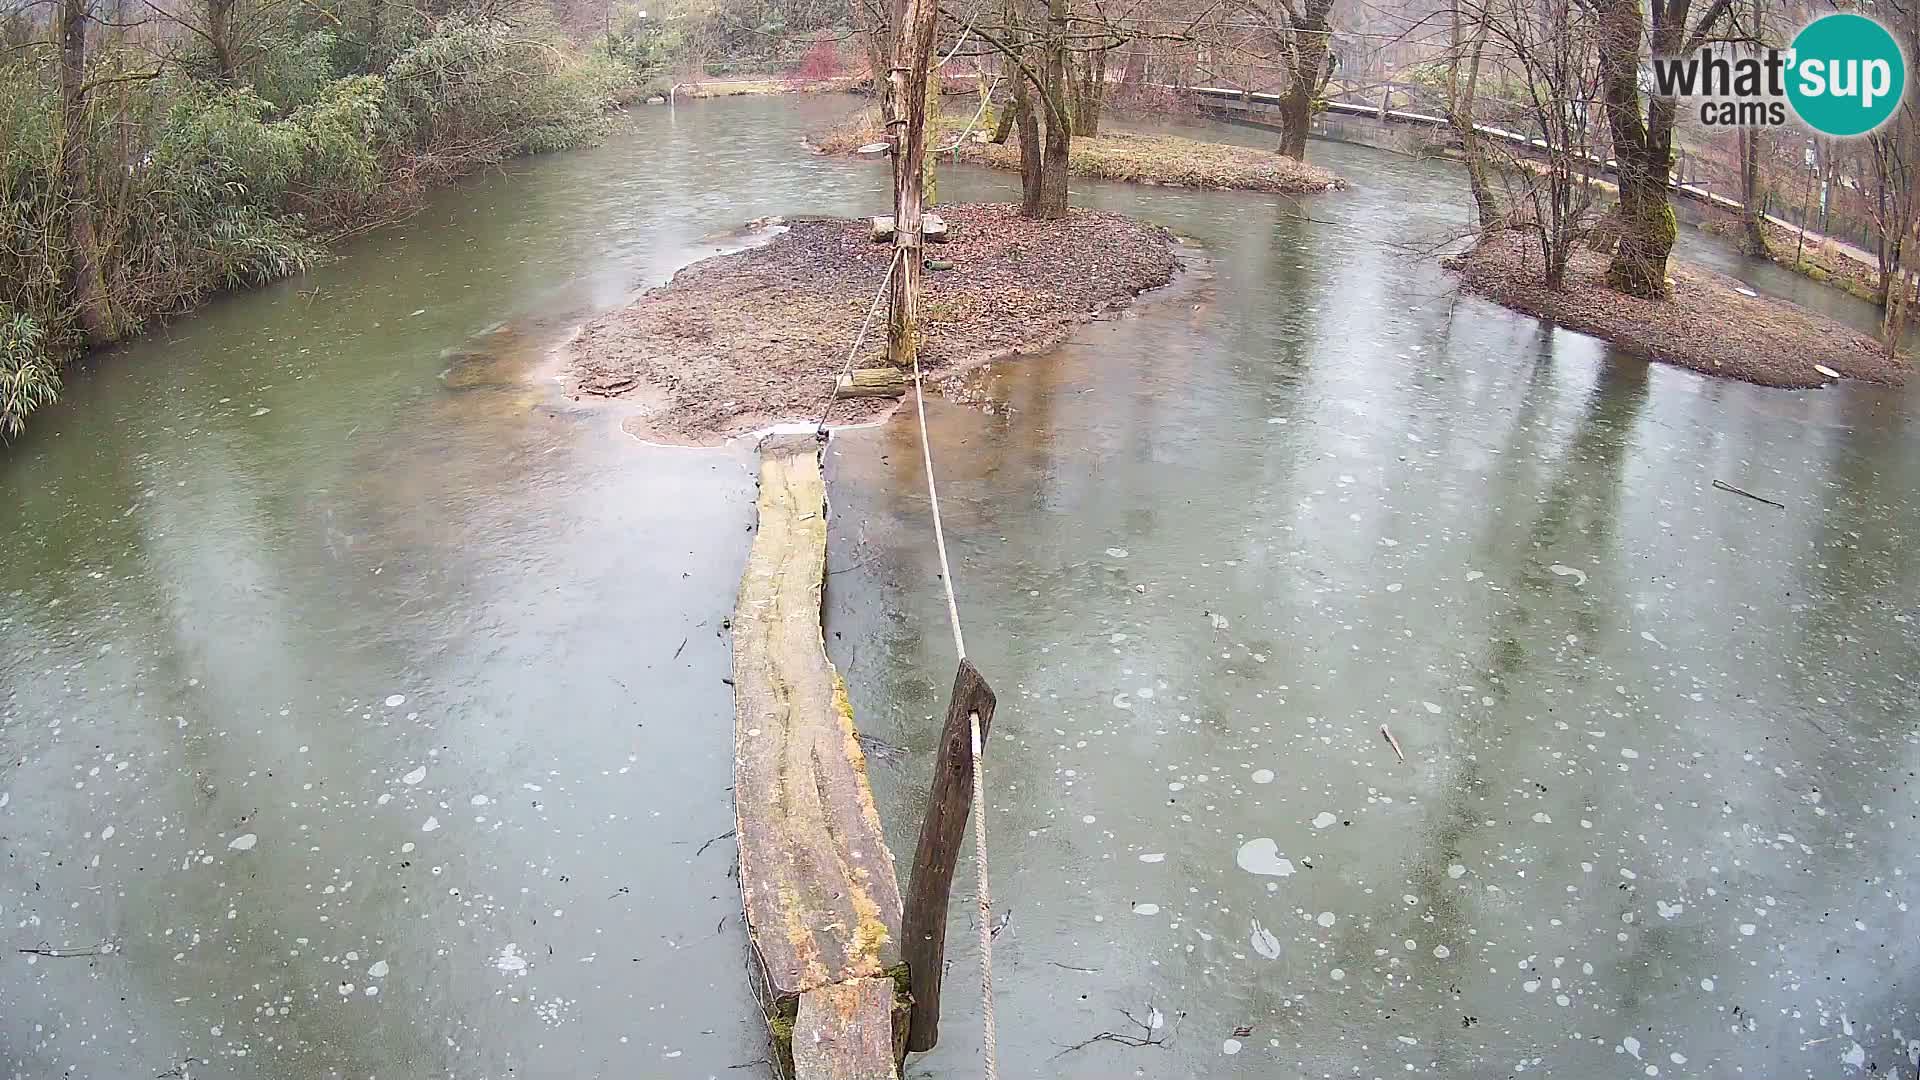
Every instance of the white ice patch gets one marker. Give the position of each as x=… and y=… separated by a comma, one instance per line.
x=508, y=960
x=1262, y=856
x=1668, y=911
x=1146, y=909
x=1264, y=942
x=1456, y=871
x=394, y=701
x=415, y=776
x=243, y=842
x=1118, y=553
x=1431, y=707
x=1326, y=918
x=1323, y=820
x=1230, y=1047
x=430, y=824
x=1579, y=576
x=1632, y=1046
x=1153, y=857
x=378, y=970
x=1540, y=817
x=1262, y=776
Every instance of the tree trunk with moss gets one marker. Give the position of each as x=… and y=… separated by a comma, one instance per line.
x=1643, y=134
x=1056, y=102
x=220, y=41
x=1310, y=66
x=1753, y=232
x=907, y=88
x=1461, y=91
x=1030, y=150
x=86, y=281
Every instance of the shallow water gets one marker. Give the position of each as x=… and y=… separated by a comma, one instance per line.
x=238, y=540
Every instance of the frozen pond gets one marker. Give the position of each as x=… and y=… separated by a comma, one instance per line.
x=363, y=713
x=1656, y=814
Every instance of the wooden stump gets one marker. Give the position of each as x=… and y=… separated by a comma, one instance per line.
x=821, y=899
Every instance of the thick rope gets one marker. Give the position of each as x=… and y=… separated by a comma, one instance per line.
x=833, y=392
x=982, y=891
x=988, y=1040
x=933, y=499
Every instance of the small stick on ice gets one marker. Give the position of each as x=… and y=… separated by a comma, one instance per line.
x=1393, y=742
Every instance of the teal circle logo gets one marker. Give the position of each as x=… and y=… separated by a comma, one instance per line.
x=1847, y=75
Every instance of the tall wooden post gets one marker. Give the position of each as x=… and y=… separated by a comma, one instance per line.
x=907, y=132
x=923, y=923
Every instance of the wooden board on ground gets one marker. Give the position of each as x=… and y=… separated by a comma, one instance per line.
x=883, y=381
x=822, y=901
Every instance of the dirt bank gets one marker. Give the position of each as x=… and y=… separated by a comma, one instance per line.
x=1113, y=155
x=1709, y=325
x=741, y=341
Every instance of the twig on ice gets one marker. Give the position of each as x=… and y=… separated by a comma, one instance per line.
x=103, y=949
x=1724, y=486
x=1393, y=742
x=1147, y=1037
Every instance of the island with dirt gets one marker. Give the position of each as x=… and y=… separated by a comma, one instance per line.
x=1709, y=322
x=741, y=341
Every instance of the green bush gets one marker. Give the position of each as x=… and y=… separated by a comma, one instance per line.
x=195, y=187
x=29, y=379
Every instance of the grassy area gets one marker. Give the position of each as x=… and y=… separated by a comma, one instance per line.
x=1138, y=159
x=723, y=88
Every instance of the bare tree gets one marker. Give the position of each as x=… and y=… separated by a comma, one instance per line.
x=1551, y=44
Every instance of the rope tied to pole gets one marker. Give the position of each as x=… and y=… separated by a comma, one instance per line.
x=833, y=391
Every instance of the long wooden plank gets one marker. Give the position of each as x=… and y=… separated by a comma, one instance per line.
x=821, y=898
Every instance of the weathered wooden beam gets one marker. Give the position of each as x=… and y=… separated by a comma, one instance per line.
x=942, y=834
x=844, y=1031
x=817, y=881
x=885, y=381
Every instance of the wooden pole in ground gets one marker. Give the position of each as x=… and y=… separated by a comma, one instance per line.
x=907, y=132
x=923, y=924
